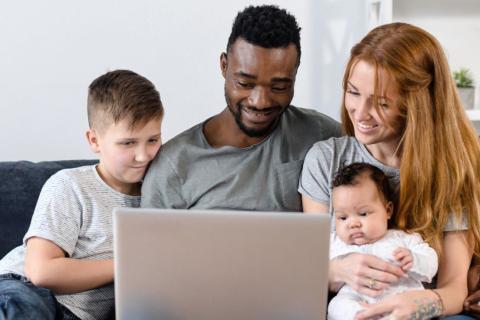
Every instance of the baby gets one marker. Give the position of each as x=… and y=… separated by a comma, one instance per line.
x=362, y=203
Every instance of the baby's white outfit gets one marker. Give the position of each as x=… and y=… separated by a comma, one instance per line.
x=346, y=303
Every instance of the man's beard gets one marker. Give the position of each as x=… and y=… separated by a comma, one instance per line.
x=251, y=132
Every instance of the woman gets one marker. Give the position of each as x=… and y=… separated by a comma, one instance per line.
x=402, y=114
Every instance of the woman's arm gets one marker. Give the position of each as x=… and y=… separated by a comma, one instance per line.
x=357, y=270
x=453, y=271
x=46, y=266
x=311, y=206
x=425, y=304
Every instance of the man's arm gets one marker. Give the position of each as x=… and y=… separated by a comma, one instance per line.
x=46, y=266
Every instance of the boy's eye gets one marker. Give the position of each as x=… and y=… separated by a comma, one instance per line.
x=127, y=143
x=153, y=141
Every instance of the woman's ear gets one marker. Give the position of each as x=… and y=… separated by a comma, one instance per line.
x=92, y=138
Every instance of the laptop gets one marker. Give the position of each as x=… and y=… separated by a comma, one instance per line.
x=208, y=265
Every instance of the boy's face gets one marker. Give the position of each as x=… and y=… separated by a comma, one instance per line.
x=125, y=153
x=361, y=213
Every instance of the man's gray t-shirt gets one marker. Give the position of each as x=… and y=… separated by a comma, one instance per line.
x=190, y=174
x=325, y=158
x=74, y=211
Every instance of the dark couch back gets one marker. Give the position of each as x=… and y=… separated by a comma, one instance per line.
x=20, y=185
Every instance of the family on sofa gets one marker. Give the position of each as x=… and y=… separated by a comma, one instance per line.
x=401, y=117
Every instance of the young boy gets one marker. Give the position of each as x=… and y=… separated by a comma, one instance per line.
x=363, y=204
x=64, y=269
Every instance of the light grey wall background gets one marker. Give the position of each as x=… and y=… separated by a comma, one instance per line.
x=51, y=50
x=456, y=24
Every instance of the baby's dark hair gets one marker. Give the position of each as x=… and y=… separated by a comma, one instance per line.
x=122, y=94
x=349, y=176
x=266, y=26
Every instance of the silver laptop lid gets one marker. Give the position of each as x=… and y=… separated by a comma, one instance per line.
x=179, y=264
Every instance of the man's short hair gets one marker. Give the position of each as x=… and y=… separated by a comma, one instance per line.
x=119, y=95
x=350, y=175
x=266, y=26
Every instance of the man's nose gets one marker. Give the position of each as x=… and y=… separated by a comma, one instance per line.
x=260, y=98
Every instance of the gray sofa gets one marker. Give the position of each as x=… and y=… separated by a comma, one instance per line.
x=20, y=185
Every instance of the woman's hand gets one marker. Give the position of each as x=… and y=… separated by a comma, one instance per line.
x=365, y=273
x=471, y=304
x=424, y=304
x=418, y=304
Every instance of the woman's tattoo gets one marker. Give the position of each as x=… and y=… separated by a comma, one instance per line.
x=427, y=309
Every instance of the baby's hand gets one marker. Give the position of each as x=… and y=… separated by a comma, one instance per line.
x=404, y=257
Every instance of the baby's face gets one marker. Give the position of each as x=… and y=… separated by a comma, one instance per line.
x=361, y=214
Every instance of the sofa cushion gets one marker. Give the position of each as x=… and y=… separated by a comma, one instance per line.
x=20, y=185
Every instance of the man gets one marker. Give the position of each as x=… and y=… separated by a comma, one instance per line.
x=249, y=156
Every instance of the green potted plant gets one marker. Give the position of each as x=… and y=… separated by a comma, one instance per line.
x=465, y=86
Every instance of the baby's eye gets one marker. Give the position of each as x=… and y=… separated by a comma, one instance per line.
x=362, y=214
x=343, y=218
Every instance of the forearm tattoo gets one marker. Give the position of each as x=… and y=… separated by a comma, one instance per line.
x=427, y=308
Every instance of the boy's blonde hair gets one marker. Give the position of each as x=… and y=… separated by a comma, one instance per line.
x=119, y=95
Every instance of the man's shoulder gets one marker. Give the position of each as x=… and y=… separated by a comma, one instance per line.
x=313, y=121
x=189, y=137
x=309, y=115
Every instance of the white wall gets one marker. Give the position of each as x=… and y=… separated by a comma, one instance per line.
x=51, y=50
x=456, y=24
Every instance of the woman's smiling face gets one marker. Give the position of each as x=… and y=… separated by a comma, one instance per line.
x=373, y=124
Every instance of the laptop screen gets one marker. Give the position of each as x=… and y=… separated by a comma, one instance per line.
x=180, y=264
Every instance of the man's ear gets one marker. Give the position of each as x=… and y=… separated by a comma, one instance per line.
x=389, y=208
x=92, y=138
x=223, y=64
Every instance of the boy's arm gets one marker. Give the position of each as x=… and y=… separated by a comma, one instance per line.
x=46, y=266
